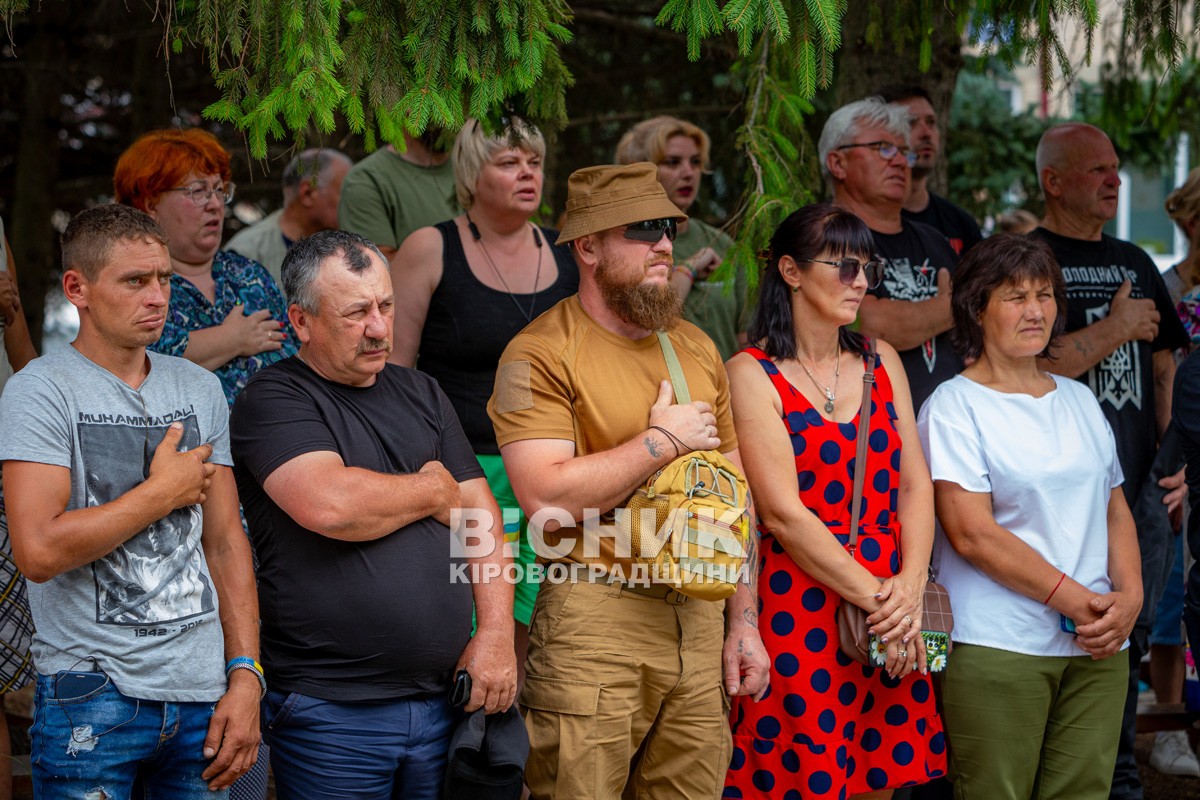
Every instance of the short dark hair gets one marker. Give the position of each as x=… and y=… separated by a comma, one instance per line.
x=804, y=235
x=302, y=264
x=1004, y=259
x=898, y=92
x=91, y=234
x=309, y=166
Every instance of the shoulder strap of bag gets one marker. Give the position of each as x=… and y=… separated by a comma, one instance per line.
x=678, y=382
x=860, y=458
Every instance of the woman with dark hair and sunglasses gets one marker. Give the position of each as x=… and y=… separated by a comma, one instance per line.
x=1042, y=565
x=226, y=313
x=831, y=727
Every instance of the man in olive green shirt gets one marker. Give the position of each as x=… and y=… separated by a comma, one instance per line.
x=389, y=194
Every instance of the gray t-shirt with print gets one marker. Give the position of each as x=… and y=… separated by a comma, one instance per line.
x=147, y=612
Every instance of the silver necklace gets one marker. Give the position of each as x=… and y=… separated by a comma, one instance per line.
x=830, y=394
x=528, y=315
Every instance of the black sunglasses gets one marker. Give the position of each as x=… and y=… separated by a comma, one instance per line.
x=651, y=230
x=848, y=269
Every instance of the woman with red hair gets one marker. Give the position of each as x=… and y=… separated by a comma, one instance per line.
x=226, y=313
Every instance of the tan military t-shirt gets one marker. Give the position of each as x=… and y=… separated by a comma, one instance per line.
x=565, y=377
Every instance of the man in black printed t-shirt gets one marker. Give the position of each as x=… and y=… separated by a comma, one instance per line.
x=922, y=205
x=866, y=160
x=1120, y=335
x=349, y=469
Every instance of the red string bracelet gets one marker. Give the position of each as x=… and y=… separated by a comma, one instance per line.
x=1061, y=578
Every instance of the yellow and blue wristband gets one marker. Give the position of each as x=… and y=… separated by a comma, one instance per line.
x=247, y=663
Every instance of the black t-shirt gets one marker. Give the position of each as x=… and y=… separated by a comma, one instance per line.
x=1185, y=417
x=1124, y=381
x=352, y=621
x=953, y=222
x=912, y=259
x=469, y=325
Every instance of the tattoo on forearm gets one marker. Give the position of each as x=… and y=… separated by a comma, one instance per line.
x=1081, y=346
x=652, y=447
x=751, y=616
x=752, y=560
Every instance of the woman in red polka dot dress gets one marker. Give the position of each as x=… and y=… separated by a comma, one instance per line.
x=828, y=726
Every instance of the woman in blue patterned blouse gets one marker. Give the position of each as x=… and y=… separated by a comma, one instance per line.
x=226, y=313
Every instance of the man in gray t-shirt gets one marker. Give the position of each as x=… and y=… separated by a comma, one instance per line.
x=123, y=515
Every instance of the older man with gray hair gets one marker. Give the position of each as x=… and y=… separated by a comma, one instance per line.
x=312, y=187
x=349, y=468
x=867, y=164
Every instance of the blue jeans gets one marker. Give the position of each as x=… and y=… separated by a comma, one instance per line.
x=1168, y=629
x=380, y=750
x=105, y=741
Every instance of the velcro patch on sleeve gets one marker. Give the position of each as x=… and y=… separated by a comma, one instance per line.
x=513, y=392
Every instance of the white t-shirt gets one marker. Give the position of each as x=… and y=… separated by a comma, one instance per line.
x=1050, y=464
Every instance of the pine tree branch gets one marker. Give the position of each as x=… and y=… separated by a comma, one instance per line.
x=752, y=118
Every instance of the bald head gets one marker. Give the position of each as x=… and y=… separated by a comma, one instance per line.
x=1059, y=145
x=1077, y=170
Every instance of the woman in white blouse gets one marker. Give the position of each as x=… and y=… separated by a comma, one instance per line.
x=1042, y=564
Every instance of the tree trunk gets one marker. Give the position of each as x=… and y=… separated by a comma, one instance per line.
x=33, y=238
x=863, y=68
x=151, y=105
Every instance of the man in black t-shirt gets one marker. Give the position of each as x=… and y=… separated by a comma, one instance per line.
x=922, y=205
x=349, y=470
x=1187, y=424
x=866, y=160
x=1120, y=335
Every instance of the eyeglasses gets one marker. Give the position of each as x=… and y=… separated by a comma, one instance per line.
x=887, y=151
x=199, y=194
x=848, y=269
x=651, y=230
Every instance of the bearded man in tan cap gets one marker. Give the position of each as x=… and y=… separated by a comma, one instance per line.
x=626, y=680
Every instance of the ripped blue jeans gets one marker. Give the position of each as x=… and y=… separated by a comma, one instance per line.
x=96, y=746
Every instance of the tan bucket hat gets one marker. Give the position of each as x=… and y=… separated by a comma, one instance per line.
x=599, y=198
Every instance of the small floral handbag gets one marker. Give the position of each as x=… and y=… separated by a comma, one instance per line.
x=937, y=619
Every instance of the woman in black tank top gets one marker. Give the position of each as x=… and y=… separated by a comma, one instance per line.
x=465, y=287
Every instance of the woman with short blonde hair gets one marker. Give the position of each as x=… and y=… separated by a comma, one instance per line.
x=681, y=151
x=466, y=286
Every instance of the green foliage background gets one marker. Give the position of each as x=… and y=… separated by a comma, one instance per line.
x=990, y=151
x=291, y=71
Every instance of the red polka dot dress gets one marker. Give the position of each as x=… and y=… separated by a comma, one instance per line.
x=828, y=726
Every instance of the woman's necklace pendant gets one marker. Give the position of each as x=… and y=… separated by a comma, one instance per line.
x=828, y=403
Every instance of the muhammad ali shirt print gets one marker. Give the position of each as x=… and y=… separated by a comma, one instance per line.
x=157, y=576
x=911, y=260
x=1123, y=381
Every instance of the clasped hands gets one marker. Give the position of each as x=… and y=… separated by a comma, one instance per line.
x=897, y=623
x=1105, y=622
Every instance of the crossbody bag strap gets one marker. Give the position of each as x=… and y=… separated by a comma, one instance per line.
x=860, y=458
x=678, y=382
